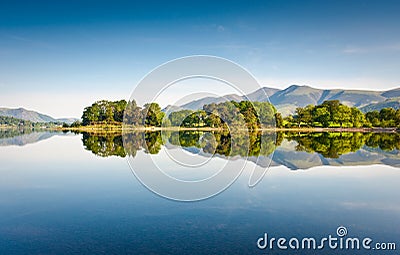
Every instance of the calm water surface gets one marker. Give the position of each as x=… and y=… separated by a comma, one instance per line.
x=76, y=194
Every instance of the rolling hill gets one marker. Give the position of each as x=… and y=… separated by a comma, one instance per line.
x=391, y=102
x=288, y=99
x=21, y=113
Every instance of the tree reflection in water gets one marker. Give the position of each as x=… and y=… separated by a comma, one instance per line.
x=329, y=145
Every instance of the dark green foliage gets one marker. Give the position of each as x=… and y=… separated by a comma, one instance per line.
x=11, y=121
x=330, y=113
x=244, y=114
x=330, y=145
x=178, y=117
x=384, y=141
x=253, y=144
x=112, y=144
x=153, y=142
x=232, y=114
x=108, y=112
x=104, y=112
x=333, y=145
x=334, y=114
x=279, y=120
x=26, y=124
x=153, y=115
x=387, y=117
x=104, y=146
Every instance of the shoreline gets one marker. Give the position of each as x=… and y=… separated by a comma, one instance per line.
x=119, y=128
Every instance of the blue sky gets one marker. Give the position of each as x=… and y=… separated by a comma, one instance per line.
x=59, y=56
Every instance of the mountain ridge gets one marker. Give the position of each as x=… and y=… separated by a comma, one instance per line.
x=34, y=116
x=288, y=99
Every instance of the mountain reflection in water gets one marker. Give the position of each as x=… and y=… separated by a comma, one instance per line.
x=294, y=150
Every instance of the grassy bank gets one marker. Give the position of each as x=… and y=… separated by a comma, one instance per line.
x=119, y=128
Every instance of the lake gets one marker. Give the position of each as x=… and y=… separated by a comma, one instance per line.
x=67, y=193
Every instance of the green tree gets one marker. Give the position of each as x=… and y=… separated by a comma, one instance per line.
x=153, y=114
x=387, y=116
x=357, y=117
x=279, y=120
x=177, y=118
x=304, y=115
x=265, y=112
x=342, y=114
x=133, y=114
x=373, y=118
x=297, y=116
x=119, y=108
x=91, y=114
x=322, y=115
x=250, y=114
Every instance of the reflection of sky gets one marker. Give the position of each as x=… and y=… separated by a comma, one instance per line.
x=55, y=190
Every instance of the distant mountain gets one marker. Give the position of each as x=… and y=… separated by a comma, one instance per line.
x=259, y=95
x=392, y=93
x=21, y=113
x=391, y=102
x=198, y=104
x=294, y=96
x=172, y=108
x=288, y=99
x=67, y=120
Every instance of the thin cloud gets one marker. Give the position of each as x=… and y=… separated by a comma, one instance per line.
x=373, y=49
x=27, y=40
x=354, y=50
x=210, y=27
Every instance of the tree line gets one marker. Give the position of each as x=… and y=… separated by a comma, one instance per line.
x=234, y=114
x=332, y=113
x=11, y=121
x=26, y=124
x=113, y=112
x=253, y=115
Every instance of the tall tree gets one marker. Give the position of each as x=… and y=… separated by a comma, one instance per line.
x=322, y=115
x=357, y=117
x=133, y=114
x=341, y=114
x=153, y=115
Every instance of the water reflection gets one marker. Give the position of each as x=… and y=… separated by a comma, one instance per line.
x=256, y=144
x=333, y=145
x=55, y=190
x=291, y=147
x=21, y=137
x=294, y=150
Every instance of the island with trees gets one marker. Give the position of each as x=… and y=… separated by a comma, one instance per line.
x=331, y=114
